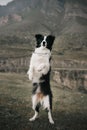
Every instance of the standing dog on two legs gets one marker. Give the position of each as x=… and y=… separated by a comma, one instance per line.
x=39, y=74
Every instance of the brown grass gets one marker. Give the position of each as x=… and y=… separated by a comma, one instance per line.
x=69, y=107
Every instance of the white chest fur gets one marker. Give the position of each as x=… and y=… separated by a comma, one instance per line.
x=39, y=63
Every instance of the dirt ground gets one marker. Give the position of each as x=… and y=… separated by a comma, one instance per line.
x=69, y=107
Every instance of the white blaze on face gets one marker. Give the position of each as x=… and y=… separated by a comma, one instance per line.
x=44, y=43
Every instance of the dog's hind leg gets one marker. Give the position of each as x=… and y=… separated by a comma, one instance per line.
x=48, y=106
x=34, y=117
x=50, y=116
x=35, y=107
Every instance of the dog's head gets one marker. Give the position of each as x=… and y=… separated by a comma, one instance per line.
x=44, y=41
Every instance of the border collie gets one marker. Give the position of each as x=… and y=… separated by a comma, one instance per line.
x=39, y=74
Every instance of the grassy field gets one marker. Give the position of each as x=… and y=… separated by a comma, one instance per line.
x=66, y=46
x=13, y=51
x=71, y=46
x=69, y=107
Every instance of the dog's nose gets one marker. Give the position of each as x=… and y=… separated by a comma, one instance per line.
x=44, y=43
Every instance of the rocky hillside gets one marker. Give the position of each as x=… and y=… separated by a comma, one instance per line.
x=20, y=20
x=71, y=79
x=59, y=16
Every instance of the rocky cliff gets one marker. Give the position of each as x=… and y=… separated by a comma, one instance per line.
x=62, y=72
x=72, y=79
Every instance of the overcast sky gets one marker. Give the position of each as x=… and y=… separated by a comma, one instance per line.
x=4, y=2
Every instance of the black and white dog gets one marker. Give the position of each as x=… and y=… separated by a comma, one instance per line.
x=39, y=73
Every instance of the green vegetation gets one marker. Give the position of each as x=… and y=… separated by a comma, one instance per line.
x=71, y=46
x=67, y=46
x=15, y=52
x=13, y=40
x=82, y=21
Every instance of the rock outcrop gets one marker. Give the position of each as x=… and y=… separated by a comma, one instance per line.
x=71, y=79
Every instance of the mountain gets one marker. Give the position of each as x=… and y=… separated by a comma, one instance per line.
x=20, y=20
x=33, y=13
x=59, y=16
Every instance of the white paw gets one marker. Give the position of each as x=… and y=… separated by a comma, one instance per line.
x=41, y=67
x=51, y=121
x=32, y=119
x=30, y=75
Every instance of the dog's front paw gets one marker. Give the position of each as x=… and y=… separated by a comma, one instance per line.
x=30, y=75
x=41, y=67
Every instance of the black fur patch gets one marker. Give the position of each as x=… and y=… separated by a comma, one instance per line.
x=35, y=86
x=39, y=39
x=50, y=39
x=37, y=107
x=44, y=85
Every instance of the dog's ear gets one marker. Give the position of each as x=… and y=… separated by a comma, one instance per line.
x=50, y=41
x=38, y=37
